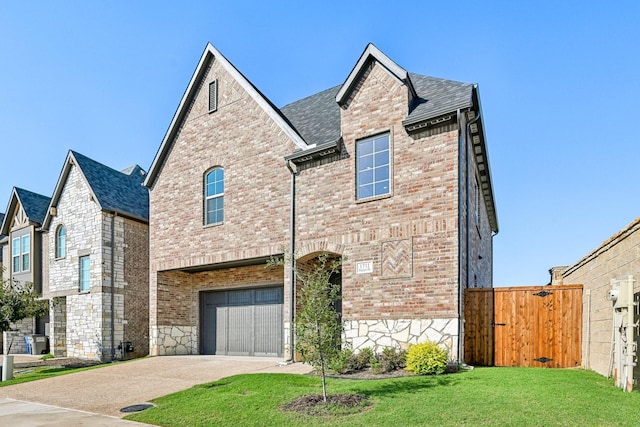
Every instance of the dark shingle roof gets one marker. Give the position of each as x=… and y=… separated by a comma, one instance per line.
x=35, y=205
x=438, y=96
x=116, y=191
x=1, y=235
x=316, y=118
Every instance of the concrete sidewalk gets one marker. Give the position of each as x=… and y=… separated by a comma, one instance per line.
x=108, y=389
x=16, y=413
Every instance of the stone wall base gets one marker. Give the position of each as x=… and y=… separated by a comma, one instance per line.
x=173, y=340
x=401, y=333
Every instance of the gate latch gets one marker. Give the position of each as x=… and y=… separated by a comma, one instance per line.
x=494, y=324
x=543, y=359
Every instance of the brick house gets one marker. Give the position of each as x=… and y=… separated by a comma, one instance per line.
x=614, y=265
x=22, y=250
x=96, y=247
x=389, y=169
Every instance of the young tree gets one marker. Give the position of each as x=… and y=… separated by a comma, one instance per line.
x=318, y=326
x=18, y=301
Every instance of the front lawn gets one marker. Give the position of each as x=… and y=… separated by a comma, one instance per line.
x=481, y=397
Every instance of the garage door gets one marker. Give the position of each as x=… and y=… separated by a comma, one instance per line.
x=246, y=322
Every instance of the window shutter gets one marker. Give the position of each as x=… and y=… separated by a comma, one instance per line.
x=213, y=96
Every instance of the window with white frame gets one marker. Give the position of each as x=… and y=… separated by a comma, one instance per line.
x=85, y=273
x=21, y=253
x=214, y=196
x=26, y=252
x=61, y=242
x=373, y=167
x=15, y=254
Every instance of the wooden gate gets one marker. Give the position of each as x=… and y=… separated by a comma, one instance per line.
x=524, y=326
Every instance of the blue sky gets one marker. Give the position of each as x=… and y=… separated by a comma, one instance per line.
x=559, y=83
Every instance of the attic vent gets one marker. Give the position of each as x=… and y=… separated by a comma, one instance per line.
x=213, y=96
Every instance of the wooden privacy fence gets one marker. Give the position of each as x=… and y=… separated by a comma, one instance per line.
x=523, y=326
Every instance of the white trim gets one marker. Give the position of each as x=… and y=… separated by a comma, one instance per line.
x=370, y=52
x=209, y=55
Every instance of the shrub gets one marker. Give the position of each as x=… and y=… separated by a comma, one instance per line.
x=342, y=361
x=392, y=359
x=426, y=358
x=362, y=360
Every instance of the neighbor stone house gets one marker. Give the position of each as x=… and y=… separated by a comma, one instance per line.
x=389, y=169
x=96, y=247
x=607, y=267
x=22, y=250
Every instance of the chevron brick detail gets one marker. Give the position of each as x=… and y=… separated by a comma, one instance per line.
x=397, y=259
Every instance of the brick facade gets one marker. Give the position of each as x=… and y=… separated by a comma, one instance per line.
x=413, y=237
x=615, y=259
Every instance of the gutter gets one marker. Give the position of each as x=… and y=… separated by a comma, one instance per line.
x=292, y=261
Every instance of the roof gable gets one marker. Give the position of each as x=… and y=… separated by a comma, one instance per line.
x=33, y=205
x=114, y=191
x=371, y=53
x=209, y=55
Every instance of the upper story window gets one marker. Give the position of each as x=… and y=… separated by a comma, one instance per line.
x=85, y=273
x=213, y=96
x=61, y=242
x=372, y=165
x=21, y=253
x=214, y=196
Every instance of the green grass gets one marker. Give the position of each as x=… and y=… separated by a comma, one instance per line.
x=482, y=397
x=23, y=375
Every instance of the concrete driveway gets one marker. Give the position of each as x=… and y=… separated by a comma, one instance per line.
x=108, y=389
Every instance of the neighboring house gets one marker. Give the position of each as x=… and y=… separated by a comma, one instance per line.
x=97, y=251
x=3, y=242
x=389, y=169
x=611, y=266
x=23, y=254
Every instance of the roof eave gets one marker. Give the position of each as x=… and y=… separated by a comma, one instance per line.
x=425, y=119
x=478, y=142
x=321, y=150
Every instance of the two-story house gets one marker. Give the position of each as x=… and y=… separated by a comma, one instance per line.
x=96, y=244
x=22, y=251
x=389, y=169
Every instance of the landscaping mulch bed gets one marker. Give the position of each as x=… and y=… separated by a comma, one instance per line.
x=58, y=362
x=314, y=404
x=368, y=374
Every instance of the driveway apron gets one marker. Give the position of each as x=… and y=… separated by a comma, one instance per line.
x=108, y=389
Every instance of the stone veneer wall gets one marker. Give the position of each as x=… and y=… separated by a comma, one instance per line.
x=15, y=337
x=401, y=333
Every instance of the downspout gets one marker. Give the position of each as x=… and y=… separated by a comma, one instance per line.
x=292, y=248
x=460, y=306
x=113, y=274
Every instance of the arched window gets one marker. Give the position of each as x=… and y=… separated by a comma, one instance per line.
x=61, y=242
x=214, y=196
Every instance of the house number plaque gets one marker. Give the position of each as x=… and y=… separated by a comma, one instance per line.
x=364, y=267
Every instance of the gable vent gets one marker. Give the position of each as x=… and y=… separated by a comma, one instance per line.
x=213, y=96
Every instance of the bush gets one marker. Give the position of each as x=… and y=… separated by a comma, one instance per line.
x=342, y=362
x=362, y=360
x=426, y=358
x=392, y=359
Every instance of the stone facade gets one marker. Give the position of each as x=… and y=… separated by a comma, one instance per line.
x=616, y=259
x=82, y=321
x=424, y=242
